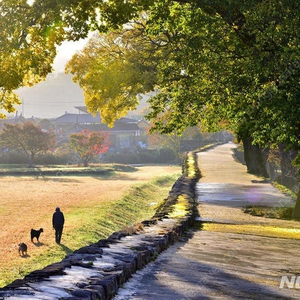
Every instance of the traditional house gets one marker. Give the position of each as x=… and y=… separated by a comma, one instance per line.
x=17, y=119
x=123, y=135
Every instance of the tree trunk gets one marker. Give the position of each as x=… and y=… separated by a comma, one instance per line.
x=296, y=211
x=30, y=160
x=289, y=174
x=254, y=158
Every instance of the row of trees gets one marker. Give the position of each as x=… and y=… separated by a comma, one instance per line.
x=35, y=142
x=233, y=60
x=31, y=140
x=232, y=63
x=213, y=63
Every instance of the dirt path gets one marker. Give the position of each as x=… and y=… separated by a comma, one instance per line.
x=234, y=256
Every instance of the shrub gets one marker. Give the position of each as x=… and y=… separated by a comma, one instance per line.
x=143, y=156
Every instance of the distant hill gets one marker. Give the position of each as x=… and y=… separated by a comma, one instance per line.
x=56, y=95
x=51, y=98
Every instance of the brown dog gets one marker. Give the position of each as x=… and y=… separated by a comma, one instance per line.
x=23, y=249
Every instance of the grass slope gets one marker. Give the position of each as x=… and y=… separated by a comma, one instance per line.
x=94, y=207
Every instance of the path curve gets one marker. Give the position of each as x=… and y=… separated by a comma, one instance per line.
x=234, y=255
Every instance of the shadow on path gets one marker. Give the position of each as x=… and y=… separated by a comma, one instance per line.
x=173, y=276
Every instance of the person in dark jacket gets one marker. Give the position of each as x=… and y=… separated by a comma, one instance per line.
x=58, y=221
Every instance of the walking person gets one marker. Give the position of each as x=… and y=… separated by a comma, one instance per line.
x=58, y=221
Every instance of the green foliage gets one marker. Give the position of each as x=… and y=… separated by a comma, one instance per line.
x=27, y=138
x=209, y=61
x=268, y=212
x=29, y=35
x=212, y=61
x=144, y=156
x=113, y=69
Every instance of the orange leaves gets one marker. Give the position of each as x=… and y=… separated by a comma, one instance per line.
x=88, y=144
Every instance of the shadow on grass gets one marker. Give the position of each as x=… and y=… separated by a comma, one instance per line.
x=124, y=168
x=65, y=248
x=39, y=244
x=114, y=176
x=65, y=171
x=59, y=179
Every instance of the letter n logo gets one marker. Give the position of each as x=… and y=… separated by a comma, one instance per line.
x=290, y=283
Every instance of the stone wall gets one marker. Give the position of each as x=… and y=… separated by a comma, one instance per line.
x=98, y=270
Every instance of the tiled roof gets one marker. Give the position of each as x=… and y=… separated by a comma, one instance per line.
x=85, y=118
x=118, y=127
x=78, y=118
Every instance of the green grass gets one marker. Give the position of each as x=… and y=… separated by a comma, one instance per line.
x=259, y=230
x=283, y=189
x=284, y=213
x=139, y=204
x=106, y=171
x=97, y=222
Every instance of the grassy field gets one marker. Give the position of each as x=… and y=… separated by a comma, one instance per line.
x=94, y=207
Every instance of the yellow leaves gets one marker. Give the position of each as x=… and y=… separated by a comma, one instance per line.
x=110, y=108
x=30, y=79
x=111, y=71
x=28, y=46
x=8, y=101
x=180, y=208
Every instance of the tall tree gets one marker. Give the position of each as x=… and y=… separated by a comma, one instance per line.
x=228, y=60
x=88, y=144
x=32, y=29
x=28, y=38
x=28, y=138
x=114, y=68
x=232, y=59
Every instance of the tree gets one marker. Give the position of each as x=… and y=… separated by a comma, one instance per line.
x=234, y=60
x=226, y=69
x=113, y=70
x=28, y=138
x=31, y=31
x=88, y=144
x=171, y=141
x=28, y=38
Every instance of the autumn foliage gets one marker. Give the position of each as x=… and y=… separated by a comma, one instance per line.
x=28, y=137
x=88, y=144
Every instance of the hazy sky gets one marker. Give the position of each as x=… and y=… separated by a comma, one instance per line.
x=65, y=53
x=44, y=102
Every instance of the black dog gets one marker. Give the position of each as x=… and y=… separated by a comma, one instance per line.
x=36, y=234
x=22, y=249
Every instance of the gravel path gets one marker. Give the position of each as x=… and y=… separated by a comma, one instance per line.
x=234, y=255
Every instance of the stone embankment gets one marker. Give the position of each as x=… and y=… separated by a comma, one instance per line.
x=98, y=270
x=230, y=255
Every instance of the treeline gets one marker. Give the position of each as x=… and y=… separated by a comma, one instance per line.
x=278, y=165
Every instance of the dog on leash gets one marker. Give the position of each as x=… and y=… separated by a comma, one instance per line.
x=36, y=234
x=22, y=249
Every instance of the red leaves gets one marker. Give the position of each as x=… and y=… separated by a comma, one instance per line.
x=89, y=144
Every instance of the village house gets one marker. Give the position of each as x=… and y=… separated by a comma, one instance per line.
x=124, y=133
